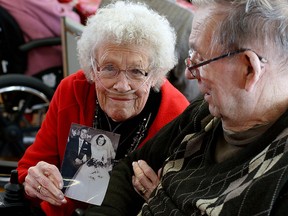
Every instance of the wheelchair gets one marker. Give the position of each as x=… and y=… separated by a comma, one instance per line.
x=24, y=100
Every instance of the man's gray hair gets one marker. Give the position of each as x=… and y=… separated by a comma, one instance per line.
x=260, y=23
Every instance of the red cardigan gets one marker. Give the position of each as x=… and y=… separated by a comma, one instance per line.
x=74, y=102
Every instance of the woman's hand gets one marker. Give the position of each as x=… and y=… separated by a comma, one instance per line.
x=45, y=182
x=145, y=180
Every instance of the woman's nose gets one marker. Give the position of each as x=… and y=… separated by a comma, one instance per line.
x=122, y=83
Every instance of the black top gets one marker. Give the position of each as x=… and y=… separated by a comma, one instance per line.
x=252, y=183
x=130, y=129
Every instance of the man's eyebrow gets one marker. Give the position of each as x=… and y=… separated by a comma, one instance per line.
x=194, y=47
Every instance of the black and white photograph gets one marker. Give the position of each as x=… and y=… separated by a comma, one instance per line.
x=87, y=163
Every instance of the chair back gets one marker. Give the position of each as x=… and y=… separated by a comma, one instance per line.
x=70, y=32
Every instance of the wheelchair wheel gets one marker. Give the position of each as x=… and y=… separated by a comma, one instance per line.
x=24, y=102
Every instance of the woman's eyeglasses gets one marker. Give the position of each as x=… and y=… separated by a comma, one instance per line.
x=138, y=77
x=111, y=71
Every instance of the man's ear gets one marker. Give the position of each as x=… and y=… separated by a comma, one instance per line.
x=254, y=70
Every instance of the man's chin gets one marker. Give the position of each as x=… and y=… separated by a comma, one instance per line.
x=214, y=111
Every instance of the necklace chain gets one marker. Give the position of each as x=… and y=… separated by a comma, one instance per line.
x=139, y=134
x=142, y=127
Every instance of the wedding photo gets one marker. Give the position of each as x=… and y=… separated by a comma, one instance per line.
x=87, y=162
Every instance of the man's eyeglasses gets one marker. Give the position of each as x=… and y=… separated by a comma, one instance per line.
x=194, y=67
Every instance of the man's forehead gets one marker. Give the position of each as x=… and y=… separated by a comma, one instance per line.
x=203, y=26
x=200, y=36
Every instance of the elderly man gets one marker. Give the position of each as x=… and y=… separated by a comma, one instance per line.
x=226, y=154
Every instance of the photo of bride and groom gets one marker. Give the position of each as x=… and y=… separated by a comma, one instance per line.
x=87, y=162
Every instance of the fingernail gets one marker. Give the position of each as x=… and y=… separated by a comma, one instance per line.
x=61, y=197
x=64, y=201
x=60, y=185
x=133, y=163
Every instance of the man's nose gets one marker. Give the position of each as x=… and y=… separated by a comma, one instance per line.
x=190, y=76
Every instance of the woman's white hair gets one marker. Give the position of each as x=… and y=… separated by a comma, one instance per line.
x=129, y=23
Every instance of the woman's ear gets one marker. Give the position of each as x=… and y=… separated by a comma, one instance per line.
x=153, y=82
x=254, y=71
x=92, y=76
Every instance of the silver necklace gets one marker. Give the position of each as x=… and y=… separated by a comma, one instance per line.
x=139, y=135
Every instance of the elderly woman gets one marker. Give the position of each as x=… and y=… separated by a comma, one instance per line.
x=226, y=154
x=125, y=52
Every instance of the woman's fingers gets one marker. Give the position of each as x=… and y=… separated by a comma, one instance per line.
x=145, y=174
x=45, y=182
x=140, y=189
x=137, y=185
x=41, y=193
x=52, y=172
x=145, y=180
x=148, y=171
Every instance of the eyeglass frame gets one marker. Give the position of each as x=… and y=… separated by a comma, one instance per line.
x=119, y=70
x=192, y=67
x=109, y=90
